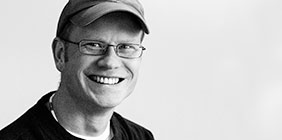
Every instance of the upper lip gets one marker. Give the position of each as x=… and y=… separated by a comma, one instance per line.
x=107, y=76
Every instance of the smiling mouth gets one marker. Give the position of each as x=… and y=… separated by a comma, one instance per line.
x=105, y=80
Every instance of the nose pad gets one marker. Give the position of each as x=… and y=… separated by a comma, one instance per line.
x=109, y=60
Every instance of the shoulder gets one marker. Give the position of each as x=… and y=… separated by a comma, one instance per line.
x=28, y=125
x=19, y=128
x=131, y=130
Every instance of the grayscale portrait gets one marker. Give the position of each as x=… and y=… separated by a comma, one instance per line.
x=141, y=69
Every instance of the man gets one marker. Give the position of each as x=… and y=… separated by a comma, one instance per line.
x=98, y=52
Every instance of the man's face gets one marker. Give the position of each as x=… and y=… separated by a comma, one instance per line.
x=82, y=73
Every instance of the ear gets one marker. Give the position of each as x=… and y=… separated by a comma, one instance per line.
x=59, y=52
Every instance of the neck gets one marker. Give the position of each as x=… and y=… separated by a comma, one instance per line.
x=83, y=119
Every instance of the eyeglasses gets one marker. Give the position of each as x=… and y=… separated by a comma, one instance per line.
x=94, y=47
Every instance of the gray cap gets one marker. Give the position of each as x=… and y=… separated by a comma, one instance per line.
x=84, y=12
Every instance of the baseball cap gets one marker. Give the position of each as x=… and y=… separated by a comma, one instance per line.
x=84, y=12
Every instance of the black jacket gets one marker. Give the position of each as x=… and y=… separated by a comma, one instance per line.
x=38, y=124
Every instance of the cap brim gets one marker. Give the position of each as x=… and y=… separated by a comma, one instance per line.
x=91, y=14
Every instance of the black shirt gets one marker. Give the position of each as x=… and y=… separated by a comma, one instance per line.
x=38, y=124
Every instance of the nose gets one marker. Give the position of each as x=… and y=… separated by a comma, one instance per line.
x=110, y=60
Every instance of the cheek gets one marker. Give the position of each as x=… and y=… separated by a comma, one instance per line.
x=75, y=67
x=73, y=75
x=133, y=67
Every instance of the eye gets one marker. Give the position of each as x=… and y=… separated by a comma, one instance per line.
x=92, y=45
x=128, y=47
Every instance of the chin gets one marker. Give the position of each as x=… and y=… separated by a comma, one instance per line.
x=106, y=96
x=106, y=99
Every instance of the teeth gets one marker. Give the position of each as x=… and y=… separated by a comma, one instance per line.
x=106, y=80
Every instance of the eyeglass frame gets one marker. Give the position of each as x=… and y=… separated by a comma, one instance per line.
x=106, y=48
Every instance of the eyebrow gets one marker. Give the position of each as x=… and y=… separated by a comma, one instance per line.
x=126, y=41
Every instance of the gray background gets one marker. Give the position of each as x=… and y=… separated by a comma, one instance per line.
x=212, y=68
